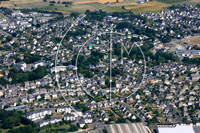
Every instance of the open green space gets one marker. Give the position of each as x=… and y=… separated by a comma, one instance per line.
x=54, y=127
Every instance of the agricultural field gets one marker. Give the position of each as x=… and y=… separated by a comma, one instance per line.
x=33, y=5
x=80, y=6
x=146, y=7
x=99, y=1
x=13, y=3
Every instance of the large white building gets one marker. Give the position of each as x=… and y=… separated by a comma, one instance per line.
x=176, y=128
x=21, y=65
x=58, y=69
x=42, y=63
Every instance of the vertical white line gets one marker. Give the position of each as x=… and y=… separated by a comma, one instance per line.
x=139, y=128
x=110, y=64
x=112, y=130
x=127, y=127
x=122, y=53
x=144, y=129
x=119, y=127
x=135, y=127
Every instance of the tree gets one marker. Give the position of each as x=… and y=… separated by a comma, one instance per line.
x=75, y=15
x=52, y=2
x=38, y=25
x=30, y=91
x=125, y=100
x=105, y=130
x=156, y=113
x=56, y=39
x=47, y=117
x=165, y=39
x=73, y=128
x=85, y=126
x=9, y=38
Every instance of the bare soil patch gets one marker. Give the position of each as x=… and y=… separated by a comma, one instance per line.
x=194, y=41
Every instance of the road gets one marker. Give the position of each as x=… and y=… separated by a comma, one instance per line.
x=5, y=33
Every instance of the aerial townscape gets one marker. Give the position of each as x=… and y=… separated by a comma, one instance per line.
x=116, y=66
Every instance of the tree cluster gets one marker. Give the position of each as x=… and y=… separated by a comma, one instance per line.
x=96, y=15
x=195, y=61
x=10, y=119
x=19, y=76
x=81, y=106
x=83, y=63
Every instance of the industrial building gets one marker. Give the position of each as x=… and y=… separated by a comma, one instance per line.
x=128, y=128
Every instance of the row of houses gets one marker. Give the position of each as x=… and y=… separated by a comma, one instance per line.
x=40, y=114
x=53, y=120
x=188, y=53
x=126, y=112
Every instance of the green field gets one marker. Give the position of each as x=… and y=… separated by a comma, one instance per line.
x=5, y=130
x=115, y=7
x=43, y=129
x=147, y=7
x=79, y=8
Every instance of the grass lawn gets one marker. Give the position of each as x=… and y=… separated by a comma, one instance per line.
x=33, y=5
x=5, y=130
x=43, y=130
x=115, y=9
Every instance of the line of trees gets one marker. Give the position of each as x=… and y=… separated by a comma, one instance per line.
x=195, y=61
